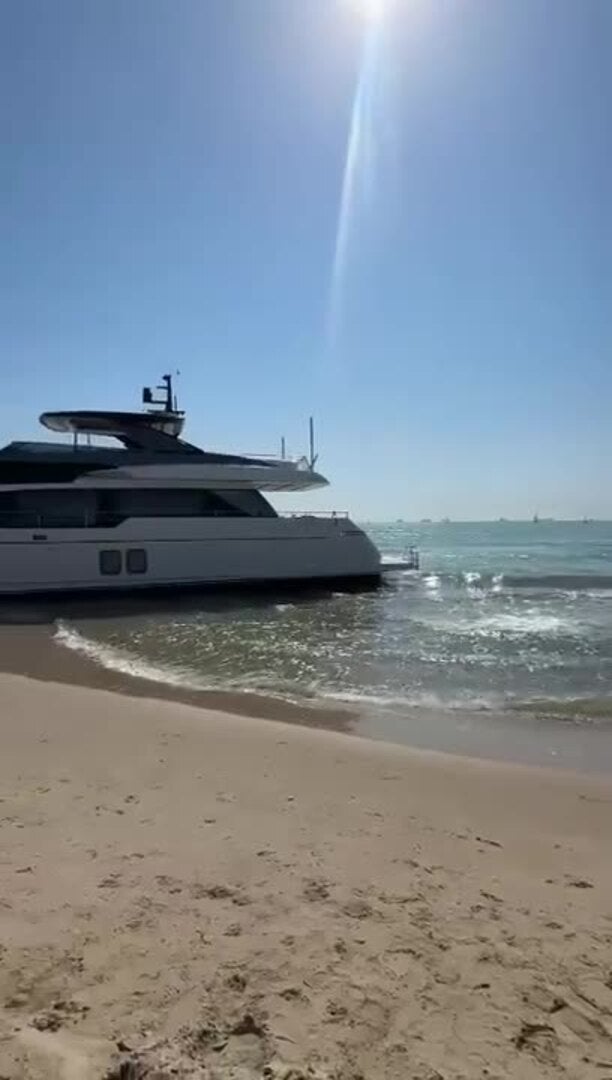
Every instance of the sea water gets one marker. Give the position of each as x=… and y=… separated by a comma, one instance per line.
x=500, y=615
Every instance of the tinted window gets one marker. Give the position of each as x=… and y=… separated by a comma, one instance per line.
x=41, y=472
x=88, y=508
x=245, y=503
x=51, y=508
x=136, y=561
x=110, y=562
x=151, y=502
x=184, y=502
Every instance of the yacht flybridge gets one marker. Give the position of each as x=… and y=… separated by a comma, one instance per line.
x=152, y=510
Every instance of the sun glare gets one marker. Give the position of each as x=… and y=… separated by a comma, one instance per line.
x=370, y=11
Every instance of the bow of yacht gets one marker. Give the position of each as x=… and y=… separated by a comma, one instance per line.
x=155, y=511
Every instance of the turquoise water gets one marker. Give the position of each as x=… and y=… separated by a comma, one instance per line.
x=501, y=646
x=502, y=612
x=500, y=615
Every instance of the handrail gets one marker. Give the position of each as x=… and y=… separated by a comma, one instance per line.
x=274, y=456
x=301, y=462
x=331, y=514
x=29, y=519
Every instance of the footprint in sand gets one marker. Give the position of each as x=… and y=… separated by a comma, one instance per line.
x=211, y=892
x=540, y=1040
x=580, y=883
x=233, y=930
x=60, y=1013
x=172, y=885
x=358, y=909
x=69, y=1056
x=316, y=890
x=217, y=1051
x=335, y=1013
x=113, y=881
x=220, y=892
x=292, y=993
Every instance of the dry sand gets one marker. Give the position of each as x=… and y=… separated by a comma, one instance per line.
x=185, y=893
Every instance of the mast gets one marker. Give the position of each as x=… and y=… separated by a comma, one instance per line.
x=169, y=400
x=312, y=456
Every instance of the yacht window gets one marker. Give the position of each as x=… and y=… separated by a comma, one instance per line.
x=152, y=502
x=110, y=562
x=136, y=561
x=246, y=503
x=184, y=502
x=74, y=507
x=55, y=509
x=41, y=472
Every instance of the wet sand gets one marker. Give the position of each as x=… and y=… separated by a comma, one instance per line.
x=530, y=736
x=189, y=894
x=32, y=651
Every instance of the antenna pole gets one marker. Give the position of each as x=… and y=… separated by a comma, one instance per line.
x=169, y=400
x=283, y=448
x=168, y=381
x=312, y=443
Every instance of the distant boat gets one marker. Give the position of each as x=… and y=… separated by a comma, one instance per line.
x=426, y=521
x=502, y=519
x=445, y=521
x=536, y=518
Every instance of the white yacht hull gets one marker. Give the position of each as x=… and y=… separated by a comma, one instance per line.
x=183, y=552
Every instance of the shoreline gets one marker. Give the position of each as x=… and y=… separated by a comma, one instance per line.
x=189, y=893
x=32, y=651
x=528, y=735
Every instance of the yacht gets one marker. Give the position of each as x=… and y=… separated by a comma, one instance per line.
x=143, y=508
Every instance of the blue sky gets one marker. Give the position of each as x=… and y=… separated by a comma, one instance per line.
x=171, y=181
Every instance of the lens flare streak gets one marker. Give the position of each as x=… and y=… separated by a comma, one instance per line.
x=359, y=173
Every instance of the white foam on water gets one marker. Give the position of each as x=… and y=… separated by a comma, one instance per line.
x=533, y=622
x=114, y=659
x=432, y=581
x=125, y=662
x=471, y=577
x=528, y=622
x=422, y=700
x=283, y=607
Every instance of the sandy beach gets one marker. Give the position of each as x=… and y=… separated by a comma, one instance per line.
x=194, y=894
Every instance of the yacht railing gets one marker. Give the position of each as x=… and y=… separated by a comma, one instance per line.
x=26, y=519
x=274, y=456
x=299, y=462
x=333, y=515
x=29, y=519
